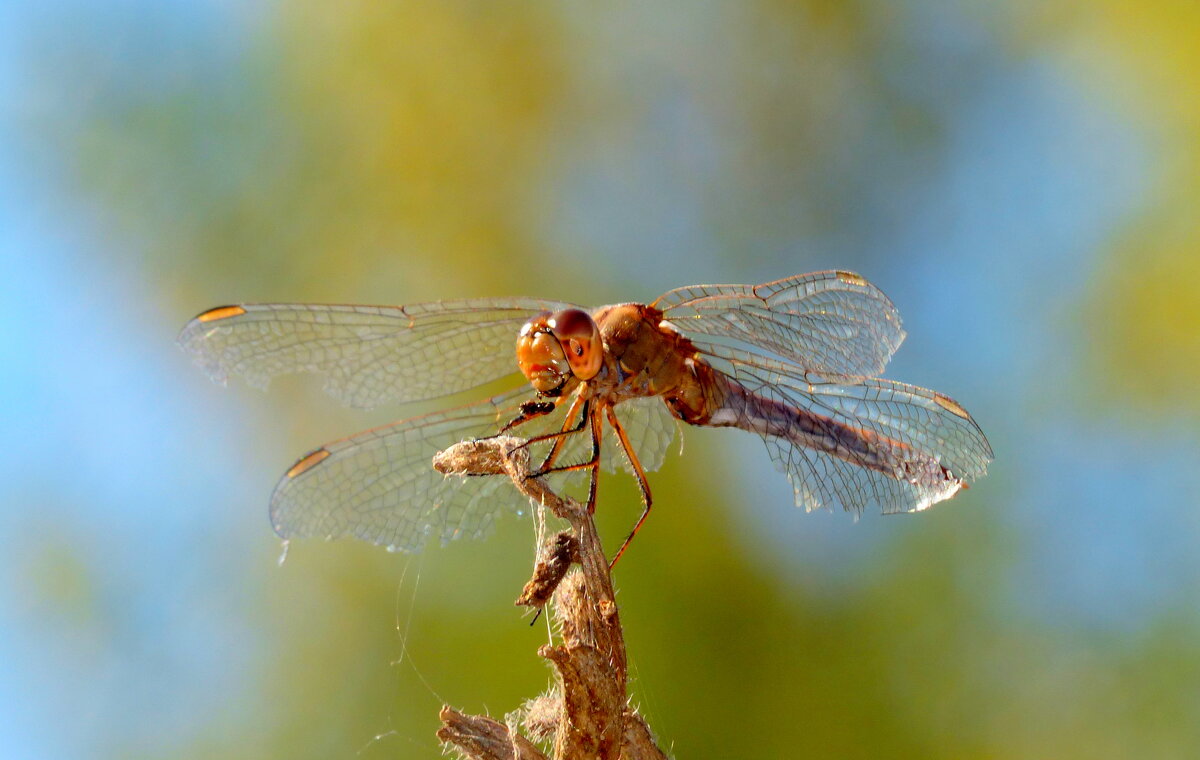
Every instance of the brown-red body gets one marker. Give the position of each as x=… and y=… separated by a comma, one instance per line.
x=644, y=355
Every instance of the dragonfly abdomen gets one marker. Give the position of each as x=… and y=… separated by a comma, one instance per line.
x=746, y=410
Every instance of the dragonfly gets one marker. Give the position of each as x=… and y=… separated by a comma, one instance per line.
x=795, y=361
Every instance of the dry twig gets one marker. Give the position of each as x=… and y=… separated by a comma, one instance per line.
x=588, y=704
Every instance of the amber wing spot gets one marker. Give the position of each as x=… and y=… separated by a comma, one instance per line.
x=308, y=462
x=851, y=278
x=221, y=312
x=951, y=405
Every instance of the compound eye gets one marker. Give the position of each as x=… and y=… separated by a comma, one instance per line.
x=580, y=339
x=571, y=323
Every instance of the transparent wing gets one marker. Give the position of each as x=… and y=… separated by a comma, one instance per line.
x=380, y=485
x=650, y=428
x=832, y=323
x=902, y=448
x=368, y=354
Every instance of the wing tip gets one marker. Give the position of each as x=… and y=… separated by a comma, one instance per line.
x=280, y=503
x=191, y=340
x=210, y=365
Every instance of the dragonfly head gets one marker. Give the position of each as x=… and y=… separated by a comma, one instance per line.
x=553, y=347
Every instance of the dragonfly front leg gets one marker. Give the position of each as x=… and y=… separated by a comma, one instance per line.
x=560, y=438
x=530, y=410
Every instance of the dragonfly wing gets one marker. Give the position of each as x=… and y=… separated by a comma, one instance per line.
x=380, y=485
x=932, y=444
x=650, y=427
x=369, y=355
x=832, y=323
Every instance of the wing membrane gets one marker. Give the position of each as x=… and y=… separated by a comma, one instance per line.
x=369, y=355
x=380, y=485
x=831, y=323
x=650, y=428
x=933, y=444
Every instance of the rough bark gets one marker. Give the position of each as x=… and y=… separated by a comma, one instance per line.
x=586, y=710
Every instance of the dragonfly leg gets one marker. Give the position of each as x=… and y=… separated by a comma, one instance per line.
x=593, y=420
x=596, y=424
x=584, y=421
x=530, y=410
x=643, y=483
x=561, y=436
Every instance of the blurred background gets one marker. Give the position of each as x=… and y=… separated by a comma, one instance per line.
x=1020, y=178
